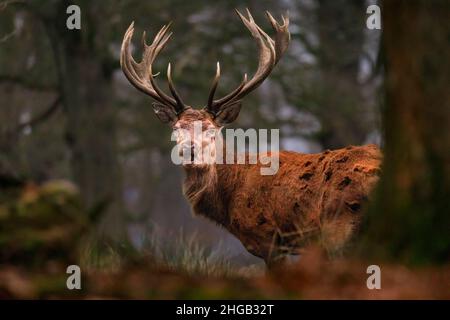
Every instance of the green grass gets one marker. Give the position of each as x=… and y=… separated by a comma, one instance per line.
x=95, y=256
x=182, y=253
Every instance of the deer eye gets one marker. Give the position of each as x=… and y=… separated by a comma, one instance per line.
x=176, y=132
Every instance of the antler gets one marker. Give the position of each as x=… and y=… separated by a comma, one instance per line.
x=270, y=52
x=140, y=74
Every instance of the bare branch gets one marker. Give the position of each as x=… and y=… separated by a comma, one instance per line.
x=5, y=4
x=41, y=117
x=25, y=83
x=7, y=36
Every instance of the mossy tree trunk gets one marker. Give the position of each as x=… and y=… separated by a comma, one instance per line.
x=410, y=218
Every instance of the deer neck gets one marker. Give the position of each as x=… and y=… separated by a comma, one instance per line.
x=208, y=189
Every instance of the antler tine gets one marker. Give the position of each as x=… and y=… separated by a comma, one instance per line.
x=270, y=52
x=217, y=104
x=161, y=38
x=172, y=88
x=213, y=106
x=127, y=62
x=140, y=74
x=266, y=59
x=282, y=35
x=214, y=86
x=150, y=53
x=264, y=51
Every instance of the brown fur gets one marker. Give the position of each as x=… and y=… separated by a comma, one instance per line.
x=312, y=196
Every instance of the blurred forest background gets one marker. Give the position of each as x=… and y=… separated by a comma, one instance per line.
x=81, y=151
x=67, y=111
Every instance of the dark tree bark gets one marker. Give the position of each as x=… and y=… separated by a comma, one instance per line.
x=340, y=25
x=86, y=94
x=410, y=219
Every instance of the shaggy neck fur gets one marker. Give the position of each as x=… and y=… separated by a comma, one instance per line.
x=204, y=192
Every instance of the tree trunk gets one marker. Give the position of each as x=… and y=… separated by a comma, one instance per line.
x=91, y=122
x=341, y=34
x=410, y=219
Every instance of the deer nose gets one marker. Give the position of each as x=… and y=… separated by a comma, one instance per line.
x=188, y=149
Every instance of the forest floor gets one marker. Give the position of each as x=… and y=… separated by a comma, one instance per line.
x=44, y=229
x=315, y=277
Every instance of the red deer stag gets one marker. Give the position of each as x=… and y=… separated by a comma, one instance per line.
x=312, y=196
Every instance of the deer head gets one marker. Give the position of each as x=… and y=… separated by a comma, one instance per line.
x=218, y=112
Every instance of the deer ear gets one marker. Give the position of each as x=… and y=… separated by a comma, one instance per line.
x=165, y=113
x=228, y=114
